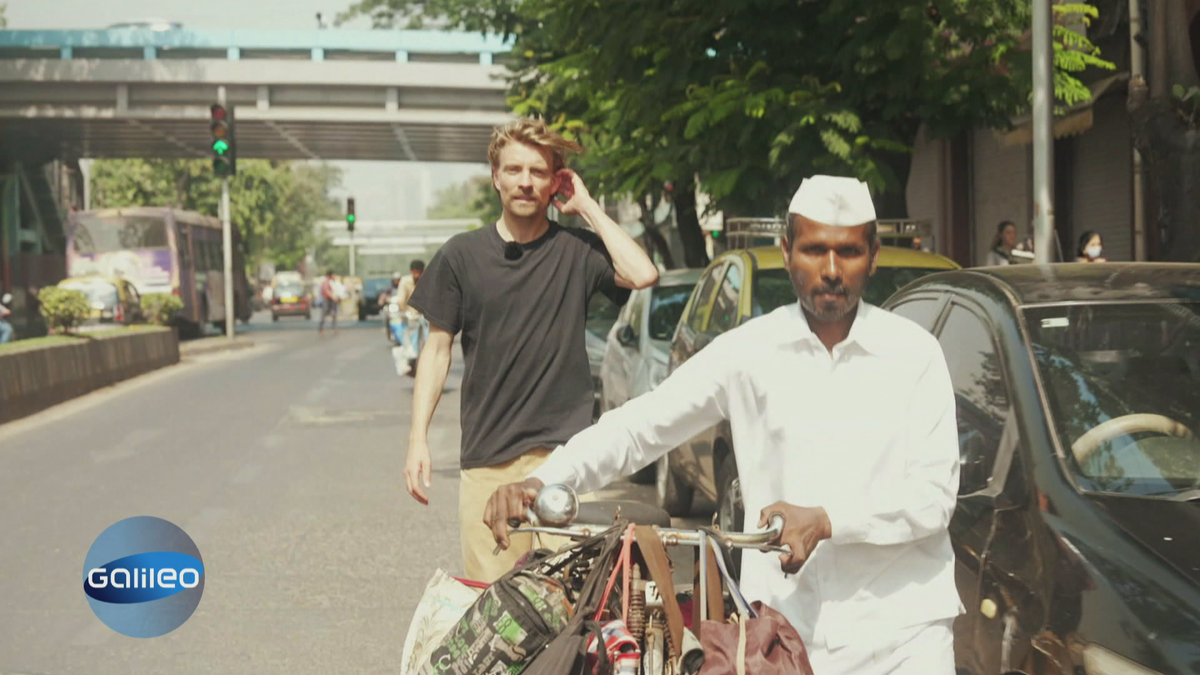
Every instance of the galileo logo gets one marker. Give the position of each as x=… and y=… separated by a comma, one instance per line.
x=143, y=577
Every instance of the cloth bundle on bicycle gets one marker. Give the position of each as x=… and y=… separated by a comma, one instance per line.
x=509, y=627
x=444, y=602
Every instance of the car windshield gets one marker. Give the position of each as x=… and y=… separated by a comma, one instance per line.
x=372, y=287
x=290, y=290
x=601, y=315
x=666, y=306
x=1123, y=385
x=887, y=280
x=773, y=288
x=96, y=292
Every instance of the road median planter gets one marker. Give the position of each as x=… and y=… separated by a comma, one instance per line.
x=39, y=377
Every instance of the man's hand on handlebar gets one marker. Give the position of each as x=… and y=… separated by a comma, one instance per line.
x=509, y=502
x=803, y=529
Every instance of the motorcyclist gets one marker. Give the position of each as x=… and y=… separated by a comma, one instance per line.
x=385, y=296
x=413, y=325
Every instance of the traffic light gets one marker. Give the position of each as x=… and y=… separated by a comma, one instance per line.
x=224, y=158
x=350, y=214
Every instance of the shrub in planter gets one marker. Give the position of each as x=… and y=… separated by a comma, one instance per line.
x=161, y=309
x=62, y=308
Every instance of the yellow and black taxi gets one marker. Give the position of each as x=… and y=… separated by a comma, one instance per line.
x=110, y=299
x=736, y=287
x=290, y=298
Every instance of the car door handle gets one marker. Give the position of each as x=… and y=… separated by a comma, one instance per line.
x=988, y=608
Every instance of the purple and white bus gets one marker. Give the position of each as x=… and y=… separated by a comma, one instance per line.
x=161, y=250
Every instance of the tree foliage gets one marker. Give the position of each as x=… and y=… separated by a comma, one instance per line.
x=275, y=205
x=744, y=97
x=474, y=198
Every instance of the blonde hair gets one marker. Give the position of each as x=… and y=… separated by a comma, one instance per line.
x=532, y=131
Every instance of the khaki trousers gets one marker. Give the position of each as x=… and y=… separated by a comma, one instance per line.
x=475, y=488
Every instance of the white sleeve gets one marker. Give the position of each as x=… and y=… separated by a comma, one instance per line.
x=690, y=400
x=919, y=502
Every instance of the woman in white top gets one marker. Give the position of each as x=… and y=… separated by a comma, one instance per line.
x=1003, y=244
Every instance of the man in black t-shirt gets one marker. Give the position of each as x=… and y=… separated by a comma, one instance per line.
x=517, y=290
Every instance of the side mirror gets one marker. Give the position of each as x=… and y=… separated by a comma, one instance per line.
x=625, y=336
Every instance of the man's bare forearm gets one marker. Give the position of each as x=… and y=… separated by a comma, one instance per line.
x=629, y=260
x=432, y=368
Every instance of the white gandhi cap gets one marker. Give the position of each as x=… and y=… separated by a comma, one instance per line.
x=834, y=200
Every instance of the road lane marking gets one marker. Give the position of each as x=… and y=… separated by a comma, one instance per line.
x=127, y=447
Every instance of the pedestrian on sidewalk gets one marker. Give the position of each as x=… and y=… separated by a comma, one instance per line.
x=1091, y=246
x=518, y=291
x=1003, y=244
x=6, y=329
x=330, y=304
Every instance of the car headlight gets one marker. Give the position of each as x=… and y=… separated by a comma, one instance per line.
x=1099, y=661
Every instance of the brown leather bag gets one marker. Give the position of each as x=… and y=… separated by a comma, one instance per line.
x=766, y=645
x=762, y=642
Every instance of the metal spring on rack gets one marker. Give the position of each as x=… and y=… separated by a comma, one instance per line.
x=637, y=605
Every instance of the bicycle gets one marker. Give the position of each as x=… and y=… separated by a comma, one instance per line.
x=642, y=610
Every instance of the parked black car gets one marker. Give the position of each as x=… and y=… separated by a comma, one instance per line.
x=1077, y=531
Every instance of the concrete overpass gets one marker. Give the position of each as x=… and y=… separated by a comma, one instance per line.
x=320, y=94
x=388, y=245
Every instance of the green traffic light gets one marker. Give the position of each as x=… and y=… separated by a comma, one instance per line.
x=220, y=146
x=350, y=218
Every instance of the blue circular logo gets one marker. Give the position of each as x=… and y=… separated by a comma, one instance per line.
x=143, y=577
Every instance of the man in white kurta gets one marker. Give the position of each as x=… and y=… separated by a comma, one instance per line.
x=855, y=442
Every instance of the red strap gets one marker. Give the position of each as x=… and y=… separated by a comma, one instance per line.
x=623, y=561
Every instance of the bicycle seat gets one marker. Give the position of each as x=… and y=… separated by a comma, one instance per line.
x=603, y=512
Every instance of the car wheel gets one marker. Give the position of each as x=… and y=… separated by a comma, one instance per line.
x=672, y=495
x=274, y=317
x=731, y=510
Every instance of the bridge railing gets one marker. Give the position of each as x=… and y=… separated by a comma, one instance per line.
x=314, y=45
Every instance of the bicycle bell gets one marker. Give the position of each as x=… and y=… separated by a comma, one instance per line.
x=556, y=505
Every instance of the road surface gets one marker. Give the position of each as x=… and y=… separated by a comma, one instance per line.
x=283, y=462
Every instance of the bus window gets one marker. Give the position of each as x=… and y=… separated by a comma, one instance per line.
x=96, y=234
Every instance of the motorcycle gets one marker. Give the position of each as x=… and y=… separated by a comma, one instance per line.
x=393, y=322
x=400, y=335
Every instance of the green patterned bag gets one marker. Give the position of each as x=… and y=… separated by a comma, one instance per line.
x=514, y=619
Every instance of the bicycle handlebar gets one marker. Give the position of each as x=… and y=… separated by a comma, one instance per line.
x=557, y=505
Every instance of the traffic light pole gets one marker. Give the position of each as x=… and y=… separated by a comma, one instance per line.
x=351, y=253
x=227, y=243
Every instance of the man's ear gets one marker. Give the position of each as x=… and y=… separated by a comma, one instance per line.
x=874, y=257
x=495, y=181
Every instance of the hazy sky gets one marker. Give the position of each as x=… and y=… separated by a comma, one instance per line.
x=382, y=190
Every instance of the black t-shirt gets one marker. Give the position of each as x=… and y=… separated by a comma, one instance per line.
x=527, y=382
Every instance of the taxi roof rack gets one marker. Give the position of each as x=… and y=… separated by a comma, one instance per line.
x=775, y=227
